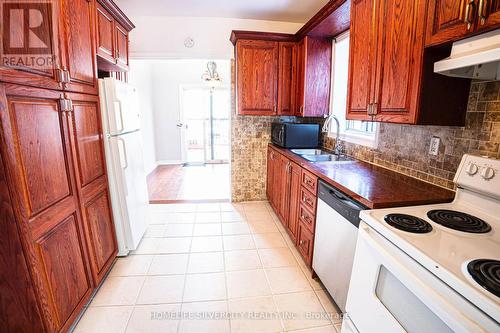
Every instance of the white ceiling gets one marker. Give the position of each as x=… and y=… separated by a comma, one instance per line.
x=299, y=11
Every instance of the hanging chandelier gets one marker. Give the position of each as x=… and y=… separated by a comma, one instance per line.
x=211, y=76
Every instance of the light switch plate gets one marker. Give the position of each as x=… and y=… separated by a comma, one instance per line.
x=434, y=147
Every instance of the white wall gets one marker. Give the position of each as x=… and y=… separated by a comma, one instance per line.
x=163, y=37
x=141, y=78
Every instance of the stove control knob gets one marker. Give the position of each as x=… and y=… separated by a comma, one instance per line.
x=471, y=169
x=487, y=173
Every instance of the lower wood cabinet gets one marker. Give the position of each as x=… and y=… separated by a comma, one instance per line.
x=289, y=192
x=56, y=175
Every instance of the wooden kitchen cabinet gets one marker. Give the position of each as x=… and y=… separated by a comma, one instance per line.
x=314, y=65
x=451, y=20
x=112, y=29
x=287, y=79
x=293, y=197
x=70, y=44
x=305, y=243
x=37, y=154
x=257, y=77
x=392, y=79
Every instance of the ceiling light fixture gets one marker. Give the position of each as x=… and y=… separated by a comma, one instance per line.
x=211, y=76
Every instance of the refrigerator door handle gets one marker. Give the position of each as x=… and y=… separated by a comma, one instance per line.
x=118, y=103
x=125, y=157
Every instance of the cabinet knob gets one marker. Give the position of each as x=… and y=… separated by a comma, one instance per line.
x=302, y=242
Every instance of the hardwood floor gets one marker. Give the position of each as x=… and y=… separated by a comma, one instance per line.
x=175, y=183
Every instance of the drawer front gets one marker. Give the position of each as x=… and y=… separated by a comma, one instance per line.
x=305, y=243
x=309, y=181
x=307, y=199
x=307, y=218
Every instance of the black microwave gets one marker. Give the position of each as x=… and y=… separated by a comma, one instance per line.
x=295, y=135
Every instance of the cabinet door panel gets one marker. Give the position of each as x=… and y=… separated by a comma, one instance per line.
x=38, y=158
x=446, y=21
x=400, y=60
x=257, y=70
x=270, y=177
x=287, y=78
x=105, y=34
x=31, y=57
x=41, y=151
x=88, y=137
x=361, y=60
x=293, y=212
x=79, y=45
x=121, y=46
x=100, y=224
x=491, y=15
x=61, y=256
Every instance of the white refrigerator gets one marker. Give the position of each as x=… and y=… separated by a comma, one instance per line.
x=124, y=156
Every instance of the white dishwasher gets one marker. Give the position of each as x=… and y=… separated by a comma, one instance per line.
x=337, y=222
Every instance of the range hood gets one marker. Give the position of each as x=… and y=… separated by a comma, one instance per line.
x=474, y=58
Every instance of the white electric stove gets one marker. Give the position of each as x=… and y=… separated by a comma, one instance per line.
x=433, y=268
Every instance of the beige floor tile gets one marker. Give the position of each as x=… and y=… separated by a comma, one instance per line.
x=329, y=306
x=180, y=218
x=208, y=207
x=238, y=242
x=162, y=289
x=132, y=265
x=205, y=317
x=269, y=241
x=315, y=283
x=207, y=229
x=287, y=280
x=233, y=216
x=247, y=284
x=302, y=305
x=178, y=230
x=208, y=217
x=169, y=264
x=257, y=315
x=210, y=262
x=323, y=329
x=277, y=258
x=205, y=287
x=184, y=207
x=154, y=318
x=228, y=207
x=207, y=244
x=161, y=208
x=173, y=245
x=118, y=290
x=263, y=227
x=240, y=228
x=263, y=217
x=242, y=260
x=147, y=246
x=104, y=319
x=155, y=230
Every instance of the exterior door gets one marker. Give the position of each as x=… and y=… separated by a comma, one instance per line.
x=37, y=149
x=362, y=60
x=29, y=57
x=91, y=182
x=287, y=78
x=77, y=25
x=257, y=77
x=446, y=20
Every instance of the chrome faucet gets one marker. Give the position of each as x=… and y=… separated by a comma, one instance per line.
x=338, y=148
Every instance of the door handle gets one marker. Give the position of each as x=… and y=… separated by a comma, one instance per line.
x=180, y=125
x=481, y=11
x=124, y=149
x=120, y=113
x=469, y=13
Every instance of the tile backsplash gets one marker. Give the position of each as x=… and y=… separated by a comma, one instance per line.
x=404, y=148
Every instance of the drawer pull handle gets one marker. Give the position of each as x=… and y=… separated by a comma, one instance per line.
x=302, y=242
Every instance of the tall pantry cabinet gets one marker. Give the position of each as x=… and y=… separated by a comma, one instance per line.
x=55, y=207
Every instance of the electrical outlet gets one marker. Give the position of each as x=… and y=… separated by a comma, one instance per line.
x=434, y=147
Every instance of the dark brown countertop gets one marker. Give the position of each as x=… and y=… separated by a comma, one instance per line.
x=374, y=186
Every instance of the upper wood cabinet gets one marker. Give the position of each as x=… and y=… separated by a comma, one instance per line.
x=275, y=75
x=112, y=29
x=451, y=20
x=70, y=46
x=314, y=77
x=257, y=77
x=287, y=78
x=391, y=78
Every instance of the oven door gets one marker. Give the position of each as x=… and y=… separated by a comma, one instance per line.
x=391, y=292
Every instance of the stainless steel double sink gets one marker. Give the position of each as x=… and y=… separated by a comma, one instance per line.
x=319, y=155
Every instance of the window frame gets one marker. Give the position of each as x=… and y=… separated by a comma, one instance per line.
x=367, y=139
